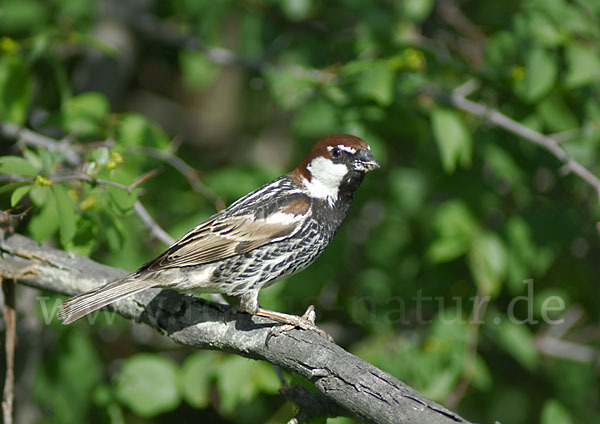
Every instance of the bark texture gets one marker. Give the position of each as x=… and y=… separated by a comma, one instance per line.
x=348, y=384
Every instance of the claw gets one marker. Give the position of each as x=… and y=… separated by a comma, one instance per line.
x=305, y=322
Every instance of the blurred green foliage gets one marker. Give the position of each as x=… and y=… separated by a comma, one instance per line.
x=467, y=267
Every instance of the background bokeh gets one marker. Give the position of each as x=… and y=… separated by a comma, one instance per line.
x=468, y=266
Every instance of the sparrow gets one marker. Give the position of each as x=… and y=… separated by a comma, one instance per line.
x=268, y=235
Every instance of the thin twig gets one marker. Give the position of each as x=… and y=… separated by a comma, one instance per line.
x=566, y=323
x=557, y=348
x=142, y=179
x=565, y=135
x=151, y=26
x=550, y=342
x=129, y=188
x=156, y=230
x=344, y=380
x=10, y=316
x=459, y=100
x=9, y=220
x=186, y=170
x=88, y=178
x=35, y=139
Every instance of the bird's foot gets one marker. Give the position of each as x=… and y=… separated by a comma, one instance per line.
x=305, y=322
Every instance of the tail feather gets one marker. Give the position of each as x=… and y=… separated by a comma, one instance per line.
x=81, y=305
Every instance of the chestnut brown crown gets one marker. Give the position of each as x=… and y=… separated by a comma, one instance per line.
x=332, y=146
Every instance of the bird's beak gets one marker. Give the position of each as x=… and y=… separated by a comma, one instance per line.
x=365, y=161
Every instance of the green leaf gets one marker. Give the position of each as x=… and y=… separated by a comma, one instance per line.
x=444, y=352
x=86, y=235
x=377, y=83
x=541, y=71
x=523, y=255
x=551, y=303
x=136, y=130
x=408, y=188
x=96, y=43
x=16, y=165
x=44, y=224
x=121, y=198
x=234, y=182
x=583, y=64
x=500, y=48
x=447, y=249
x=197, y=71
x=233, y=370
x=554, y=412
x=15, y=89
x=65, y=380
x=251, y=42
x=195, y=377
x=543, y=30
x=18, y=194
x=416, y=10
x=453, y=139
x=21, y=15
x=296, y=10
x=83, y=114
x=257, y=376
x=77, y=10
x=556, y=114
x=34, y=160
x=315, y=119
x=39, y=194
x=456, y=228
x=482, y=378
x=503, y=165
x=66, y=213
x=516, y=339
x=454, y=219
x=147, y=384
x=290, y=86
x=488, y=262
x=10, y=187
x=442, y=384
x=47, y=160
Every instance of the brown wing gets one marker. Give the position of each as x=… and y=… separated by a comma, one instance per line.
x=217, y=238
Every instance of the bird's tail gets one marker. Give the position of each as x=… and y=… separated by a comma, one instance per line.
x=81, y=305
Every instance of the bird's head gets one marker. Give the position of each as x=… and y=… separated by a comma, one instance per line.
x=336, y=164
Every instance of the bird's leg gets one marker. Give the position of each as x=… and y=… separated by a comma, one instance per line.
x=249, y=304
x=305, y=322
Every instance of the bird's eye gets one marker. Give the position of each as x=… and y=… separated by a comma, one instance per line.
x=336, y=152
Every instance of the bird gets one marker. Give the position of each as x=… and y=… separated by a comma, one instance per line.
x=266, y=236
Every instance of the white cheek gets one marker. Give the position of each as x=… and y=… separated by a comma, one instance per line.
x=326, y=178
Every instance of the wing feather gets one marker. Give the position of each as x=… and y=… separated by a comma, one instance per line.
x=223, y=236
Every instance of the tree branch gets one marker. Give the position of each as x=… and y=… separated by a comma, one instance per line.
x=152, y=225
x=35, y=139
x=10, y=320
x=459, y=100
x=347, y=381
x=190, y=174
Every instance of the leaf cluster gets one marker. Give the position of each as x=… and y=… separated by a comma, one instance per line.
x=467, y=265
